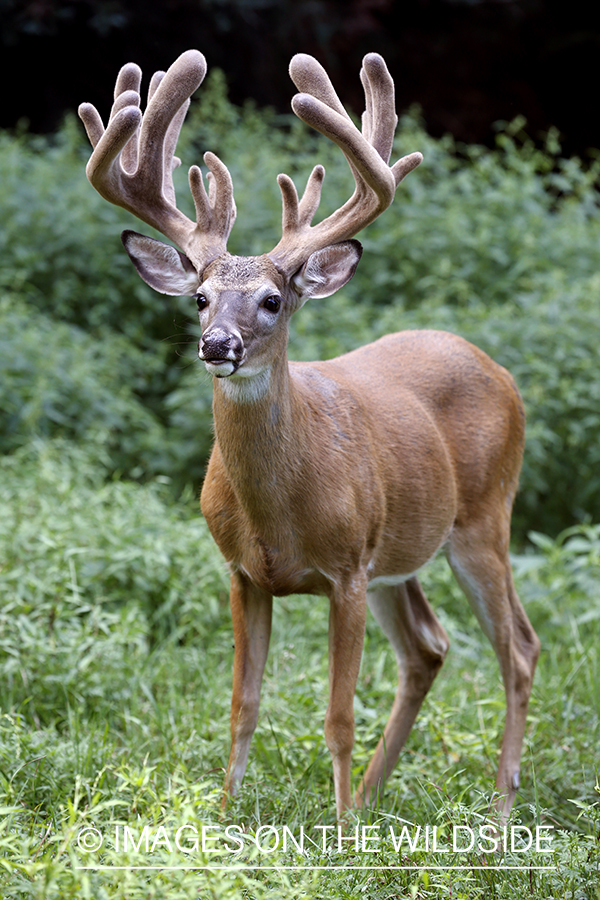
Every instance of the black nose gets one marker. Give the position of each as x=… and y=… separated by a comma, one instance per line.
x=219, y=344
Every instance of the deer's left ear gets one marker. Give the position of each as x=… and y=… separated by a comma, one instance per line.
x=326, y=271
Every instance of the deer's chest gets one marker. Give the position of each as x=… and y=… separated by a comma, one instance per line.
x=270, y=553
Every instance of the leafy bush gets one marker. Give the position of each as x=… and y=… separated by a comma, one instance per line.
x=58, y=380
x=478, y=225
x=550, y=344
x=469, y=224
x=566, y=566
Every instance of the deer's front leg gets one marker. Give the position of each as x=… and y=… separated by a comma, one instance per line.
x=347, y=617
x=251, y=610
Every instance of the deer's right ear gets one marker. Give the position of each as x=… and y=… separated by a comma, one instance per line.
x=162, y=266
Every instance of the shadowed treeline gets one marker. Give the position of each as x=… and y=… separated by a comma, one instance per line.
x=468, y=63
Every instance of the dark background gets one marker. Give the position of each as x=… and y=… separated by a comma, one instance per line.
x=468, y=63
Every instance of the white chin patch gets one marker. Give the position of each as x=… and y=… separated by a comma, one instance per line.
x=220, y=369
x=246, y=387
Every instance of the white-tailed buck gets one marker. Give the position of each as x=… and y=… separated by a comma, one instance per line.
x=342, y=477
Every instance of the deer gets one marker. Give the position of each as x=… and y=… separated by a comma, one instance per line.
x=342, y=477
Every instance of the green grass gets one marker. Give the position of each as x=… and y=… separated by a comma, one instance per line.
x=115, y=679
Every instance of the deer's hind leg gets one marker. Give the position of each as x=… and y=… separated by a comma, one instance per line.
x=420, y=644
x=478, y=555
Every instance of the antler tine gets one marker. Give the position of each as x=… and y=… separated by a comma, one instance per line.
x=215, y=211
x=379, y=119
x=133, y=159
x=299, y=214
x=366, y=152
x=127, y=93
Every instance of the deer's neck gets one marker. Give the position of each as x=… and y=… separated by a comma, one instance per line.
x=262, y=432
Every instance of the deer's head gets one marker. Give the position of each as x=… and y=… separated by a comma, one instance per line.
x=244, y=303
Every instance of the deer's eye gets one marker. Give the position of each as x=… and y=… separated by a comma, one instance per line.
x=272, y=304
x=201, y=301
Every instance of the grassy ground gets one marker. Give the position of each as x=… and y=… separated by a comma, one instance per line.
x=115, y=678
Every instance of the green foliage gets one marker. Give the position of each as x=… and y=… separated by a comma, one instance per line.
x=58, y=380
x=477, y=225
x=549, y=342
